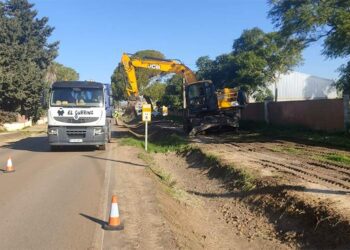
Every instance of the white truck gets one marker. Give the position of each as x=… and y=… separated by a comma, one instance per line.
x=77, y=114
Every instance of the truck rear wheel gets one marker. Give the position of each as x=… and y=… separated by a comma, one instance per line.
x=102, y=147
x=109, y=136
x=54, y=148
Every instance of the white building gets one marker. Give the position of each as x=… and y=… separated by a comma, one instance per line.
x=299, y=86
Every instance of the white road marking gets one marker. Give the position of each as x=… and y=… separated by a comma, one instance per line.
x=97, y=242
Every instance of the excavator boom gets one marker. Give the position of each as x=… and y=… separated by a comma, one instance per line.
x=172, y=66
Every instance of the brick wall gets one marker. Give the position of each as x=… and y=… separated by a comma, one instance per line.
x=254, y=112
x=325, y=114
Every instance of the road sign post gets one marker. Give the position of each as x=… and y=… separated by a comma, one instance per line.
x=146, y=134
x=146, y=117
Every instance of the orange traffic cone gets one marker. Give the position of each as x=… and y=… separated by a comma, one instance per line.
x=114, y=220
x=9, y=166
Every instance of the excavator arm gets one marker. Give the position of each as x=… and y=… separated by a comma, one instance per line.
x=206, y=108
x=171, y=66
x=132, y=89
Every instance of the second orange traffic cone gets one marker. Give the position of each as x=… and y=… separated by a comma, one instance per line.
x=9, y=166
x=114, y=220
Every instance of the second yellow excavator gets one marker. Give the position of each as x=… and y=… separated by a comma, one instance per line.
x=203, y=106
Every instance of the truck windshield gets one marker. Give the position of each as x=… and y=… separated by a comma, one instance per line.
x=77, y=97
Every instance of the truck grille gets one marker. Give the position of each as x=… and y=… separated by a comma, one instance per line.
x=72, y=120
x=76, y=133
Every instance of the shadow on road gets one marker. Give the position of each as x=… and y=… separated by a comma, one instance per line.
x=98, y=221
x=125, y=162
x=41, y=144
x=34, y=144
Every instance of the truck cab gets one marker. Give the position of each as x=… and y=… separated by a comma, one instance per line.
x=77, y=114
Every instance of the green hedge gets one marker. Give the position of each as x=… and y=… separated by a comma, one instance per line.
x=6, y=117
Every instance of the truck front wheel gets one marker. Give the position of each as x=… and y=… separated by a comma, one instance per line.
x=102, y=147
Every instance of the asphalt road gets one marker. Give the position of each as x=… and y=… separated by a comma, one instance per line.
x=59, y=200
x=42, y=204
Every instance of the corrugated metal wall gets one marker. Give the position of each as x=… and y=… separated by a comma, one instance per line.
x=300, y=86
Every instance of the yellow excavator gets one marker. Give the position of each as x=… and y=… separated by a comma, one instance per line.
x=204, y=107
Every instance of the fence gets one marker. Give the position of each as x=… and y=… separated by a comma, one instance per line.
x=325, y=114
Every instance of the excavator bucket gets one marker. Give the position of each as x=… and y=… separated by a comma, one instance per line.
x=216, y=122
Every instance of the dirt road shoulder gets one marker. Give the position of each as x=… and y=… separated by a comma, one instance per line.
x=298, y=198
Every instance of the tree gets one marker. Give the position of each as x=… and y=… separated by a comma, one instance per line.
x=343, y=82
x=144, y=75
x=25, y=55
x=155, y=91
x=173, y=93
x=221, y=71
x=257, y=58
x=59, y=72
x=64, y=73
x=261, y=57
x=205, y=68
x=118, y=82
x=313, y=20
x=262, y=94
x=119, y=79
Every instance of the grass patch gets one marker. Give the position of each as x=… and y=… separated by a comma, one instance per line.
x=212, y=158
x=334, y=158
x=289, y=150
x=169, y=143
x=164, y=177
x=243, y=179
x=240, y=178
x=258, y=130
x=338, y=158
x=233, y=175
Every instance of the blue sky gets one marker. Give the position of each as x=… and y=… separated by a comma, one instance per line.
x=93, y=34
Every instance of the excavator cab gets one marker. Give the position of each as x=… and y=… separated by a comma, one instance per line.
x=201, y=98
x=203, y=111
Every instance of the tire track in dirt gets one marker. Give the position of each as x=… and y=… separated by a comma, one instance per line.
x=306, y=174
x=299, y=166
x=339, y=168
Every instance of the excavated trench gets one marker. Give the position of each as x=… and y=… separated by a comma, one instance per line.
x=272, y=213
x=222, y=197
